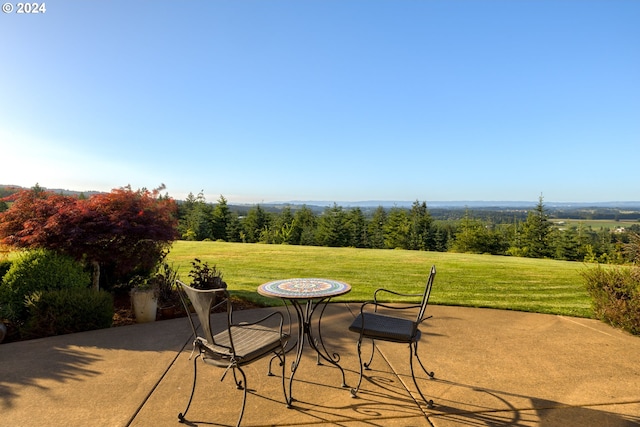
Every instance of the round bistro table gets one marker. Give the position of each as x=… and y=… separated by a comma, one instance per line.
x=306, y=295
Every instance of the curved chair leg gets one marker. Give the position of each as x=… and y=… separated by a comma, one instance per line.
x=354, y=391
x=373, y=350
x=279, y=356
x=415, y=382
x=244, y=393
x=269, y=373
x=415, y=352
x=284, y=345
x=182, y=415
x=239, y=385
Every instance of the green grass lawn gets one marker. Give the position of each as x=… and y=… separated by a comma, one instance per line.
x=525, y=284
x=595, y=224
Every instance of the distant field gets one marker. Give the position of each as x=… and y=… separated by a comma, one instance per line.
x=525, y=284
x=595, y=224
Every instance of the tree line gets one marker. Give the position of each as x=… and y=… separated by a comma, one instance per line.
x=37, y=214
x=414, y=228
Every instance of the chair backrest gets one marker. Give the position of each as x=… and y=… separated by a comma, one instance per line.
x=202, y=301
x=426, y=295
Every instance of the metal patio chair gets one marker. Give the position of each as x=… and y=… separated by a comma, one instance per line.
x=392, y=328
x=238, y=344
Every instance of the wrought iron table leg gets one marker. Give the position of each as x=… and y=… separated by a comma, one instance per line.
x=333, y=358
x=299, y=348
x=305, y=317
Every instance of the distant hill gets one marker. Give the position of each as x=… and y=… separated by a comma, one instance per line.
x=496, y=211
x=6, y=190
x=466, y=204
x=321, y=204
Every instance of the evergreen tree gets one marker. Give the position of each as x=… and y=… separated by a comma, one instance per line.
x=304, y=227
x=375, y=228
x=536, y=231
x=197, y=222
x=332, y=229
x=357, y=228
x=396, y=229
x=221, y=217
x=235, y=232
x=565, y=244
x=255, y=224
x=442, y=235
x=183, y=210
x=469, y=236
x=282, y=227
x=420, y=233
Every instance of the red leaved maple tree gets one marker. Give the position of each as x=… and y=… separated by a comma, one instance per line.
x=124, y=230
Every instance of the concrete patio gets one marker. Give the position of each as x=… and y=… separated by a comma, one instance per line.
x=493, y=368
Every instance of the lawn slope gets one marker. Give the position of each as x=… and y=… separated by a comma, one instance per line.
x=525, y=284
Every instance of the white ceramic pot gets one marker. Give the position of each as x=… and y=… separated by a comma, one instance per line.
x=145, y=305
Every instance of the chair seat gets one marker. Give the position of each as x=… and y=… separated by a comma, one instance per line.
x=250, y=342
x=387, y=328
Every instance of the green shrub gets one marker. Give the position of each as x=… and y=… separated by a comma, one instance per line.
x=616, y=296
x=38, y=270
x=67, y=311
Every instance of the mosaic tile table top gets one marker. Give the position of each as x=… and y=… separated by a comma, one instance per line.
x=304, y=288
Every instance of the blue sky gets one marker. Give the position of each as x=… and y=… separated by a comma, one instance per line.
x=344, y=100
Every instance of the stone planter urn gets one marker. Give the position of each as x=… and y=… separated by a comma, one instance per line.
x=145, y=305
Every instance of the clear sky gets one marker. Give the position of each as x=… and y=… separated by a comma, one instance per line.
x=335, y=100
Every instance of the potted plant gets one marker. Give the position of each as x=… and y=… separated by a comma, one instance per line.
x=144, y=299
x=205, y=277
